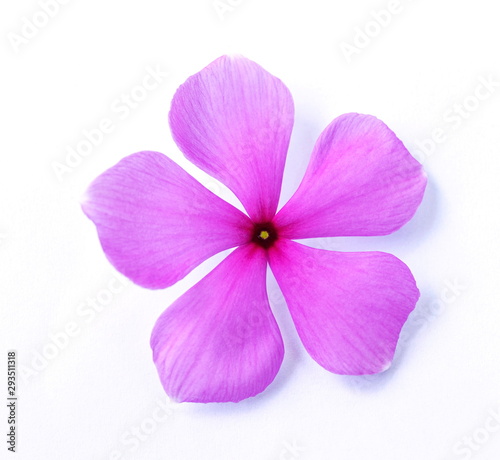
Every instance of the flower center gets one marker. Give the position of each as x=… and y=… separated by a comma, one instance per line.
x=264, y=235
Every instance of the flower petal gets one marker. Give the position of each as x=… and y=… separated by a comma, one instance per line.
x=233, y=119
x=156, y=222
x=219, y=342
x=361, y=181
x=348, y=308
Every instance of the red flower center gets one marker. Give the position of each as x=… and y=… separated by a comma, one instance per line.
x=264, y=234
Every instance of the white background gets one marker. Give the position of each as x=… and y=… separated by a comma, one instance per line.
x=97, y=395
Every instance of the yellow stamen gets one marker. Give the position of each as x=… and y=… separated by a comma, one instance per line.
x=264, y=235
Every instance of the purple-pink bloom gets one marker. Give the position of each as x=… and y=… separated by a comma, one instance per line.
x=219, y=341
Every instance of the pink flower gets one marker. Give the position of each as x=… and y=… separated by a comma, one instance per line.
x=219, y=341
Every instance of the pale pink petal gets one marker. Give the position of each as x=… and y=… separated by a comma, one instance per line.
x=361, y=181
x=219, y=342
x=348, y=308
x=156, y=222
x=233, y=119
